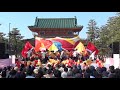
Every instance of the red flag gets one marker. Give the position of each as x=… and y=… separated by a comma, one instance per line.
x=97, y=51
x=24, y=53
x=26, y=48
x=91, y=48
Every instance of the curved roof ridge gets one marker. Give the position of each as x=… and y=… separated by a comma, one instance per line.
x=55, y=18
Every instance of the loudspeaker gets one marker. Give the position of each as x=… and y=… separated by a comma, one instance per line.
x=4, y=56
x=115, y=47
x=2, y=48
x=110, y=46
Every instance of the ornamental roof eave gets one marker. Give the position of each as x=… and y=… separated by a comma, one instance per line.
x=35, y=29
x=56, y=28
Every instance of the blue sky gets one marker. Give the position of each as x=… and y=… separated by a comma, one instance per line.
x=22, y=20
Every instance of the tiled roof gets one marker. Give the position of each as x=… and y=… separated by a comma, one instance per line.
x=56, y=23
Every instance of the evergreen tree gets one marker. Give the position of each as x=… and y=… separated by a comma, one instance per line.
x=110, y=33
x=2, y=37
x=93, y=31
x=15, y=41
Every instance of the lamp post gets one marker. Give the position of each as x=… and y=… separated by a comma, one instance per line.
x=9, y=40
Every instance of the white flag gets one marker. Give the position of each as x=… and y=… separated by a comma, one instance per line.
x=92, y=55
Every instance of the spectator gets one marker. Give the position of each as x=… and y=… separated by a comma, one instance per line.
x=117, y=73
x=69, y=74
x=8, y=71
x=29, y=74
x=78, y=75
x=64, y=73
x=3, y=74
x=112, y=75
x=40, y=74
x=104, y=74
x=111, y=69
x=57, y=73
x=86, y=75
x=12, y=73
x=49, y=74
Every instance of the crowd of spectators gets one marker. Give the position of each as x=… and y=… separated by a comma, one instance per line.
x=60, y=65
x=58, y=71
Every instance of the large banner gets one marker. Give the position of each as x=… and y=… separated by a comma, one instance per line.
x=67, y=43
x=116, y=60
x=109, y=61
x=5, y=62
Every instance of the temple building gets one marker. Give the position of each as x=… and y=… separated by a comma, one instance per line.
x=56, y=27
